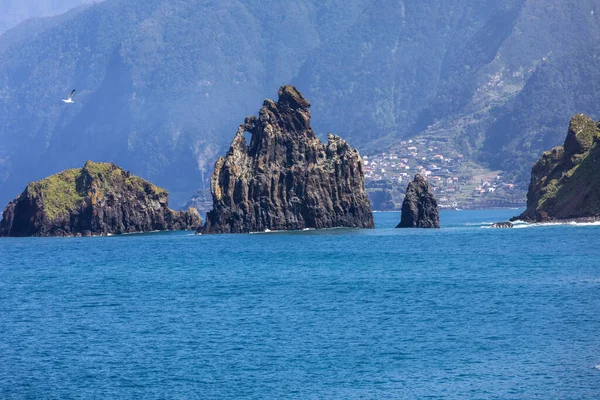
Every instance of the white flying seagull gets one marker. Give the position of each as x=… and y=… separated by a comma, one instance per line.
x=70, y=99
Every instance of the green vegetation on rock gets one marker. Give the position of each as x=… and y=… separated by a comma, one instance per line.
x=108, y=176
x=59, y=193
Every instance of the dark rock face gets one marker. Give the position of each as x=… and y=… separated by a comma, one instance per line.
x=286, y=179
x=502, y=225
x=98, y=199
x=420, y=207
x=565, y=184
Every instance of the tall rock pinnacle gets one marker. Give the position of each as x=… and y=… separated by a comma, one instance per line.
x=420, y=207
x=285, y=178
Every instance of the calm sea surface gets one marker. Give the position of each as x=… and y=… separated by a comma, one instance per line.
x=459, y=313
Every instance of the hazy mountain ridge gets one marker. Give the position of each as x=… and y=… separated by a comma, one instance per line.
x=26, y=30
x=525, y=97
x=13, y=12
x=162, y=84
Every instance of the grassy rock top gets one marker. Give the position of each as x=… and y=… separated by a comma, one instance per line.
x=63, y=192
x=582, y=133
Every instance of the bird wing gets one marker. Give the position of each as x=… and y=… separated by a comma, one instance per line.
x=71, y=95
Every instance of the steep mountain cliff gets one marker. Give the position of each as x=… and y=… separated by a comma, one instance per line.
x=420, y=207
x=565, y=183
x=161, y=81
x=285, y=178
x=495, y=78
x=98, y=199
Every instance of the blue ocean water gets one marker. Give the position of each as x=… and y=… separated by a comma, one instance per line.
x=459, y=313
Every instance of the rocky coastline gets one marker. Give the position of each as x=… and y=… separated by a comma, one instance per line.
x=565, y=185
x=278, y=176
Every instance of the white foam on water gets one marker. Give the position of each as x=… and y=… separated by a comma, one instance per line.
x=139, y=233
x=522, y=224
x=265, y=231
x=568, y=223
x=595, y=223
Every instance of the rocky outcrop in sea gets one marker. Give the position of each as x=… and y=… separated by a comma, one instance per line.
x=285, y=178
x=565, y=184
x=420, y=207
x=98, y=199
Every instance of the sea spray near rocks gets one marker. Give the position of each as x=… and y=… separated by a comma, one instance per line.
x=502, y=225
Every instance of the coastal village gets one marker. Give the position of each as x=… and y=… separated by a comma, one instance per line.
x=455, y=181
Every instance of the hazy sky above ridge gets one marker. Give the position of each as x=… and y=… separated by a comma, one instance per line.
x=13, y=12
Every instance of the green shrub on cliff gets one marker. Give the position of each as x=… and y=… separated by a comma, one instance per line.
x=59, y=192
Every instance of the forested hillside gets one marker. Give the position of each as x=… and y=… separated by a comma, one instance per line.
x=501, y=79
x=162, y=84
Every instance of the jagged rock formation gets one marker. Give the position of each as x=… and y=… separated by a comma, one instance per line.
x=565, y=183
x=98, y=199
x=420, y=207
x=286, y=179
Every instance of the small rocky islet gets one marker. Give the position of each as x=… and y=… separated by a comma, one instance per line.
x=97, y=200
x=420, y=207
